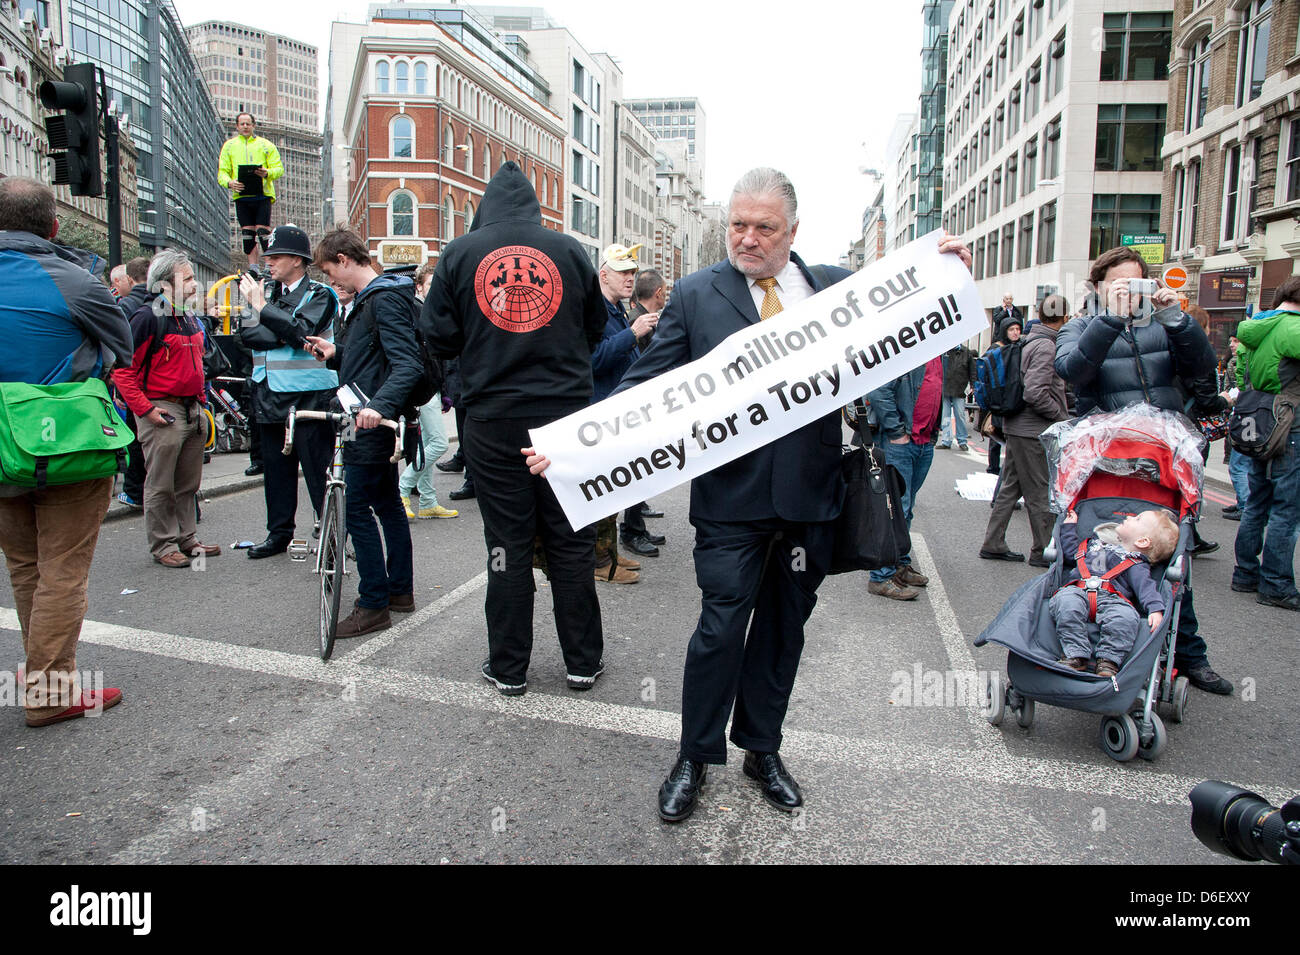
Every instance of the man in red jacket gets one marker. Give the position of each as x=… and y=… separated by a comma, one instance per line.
x=164, y=387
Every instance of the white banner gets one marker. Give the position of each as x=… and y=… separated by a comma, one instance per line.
x=762, y=382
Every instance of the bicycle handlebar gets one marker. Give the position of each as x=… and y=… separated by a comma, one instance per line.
x=341, y=419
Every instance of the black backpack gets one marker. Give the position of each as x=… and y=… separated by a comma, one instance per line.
x=998, y=387
x=1261, y=421
x=430, y=381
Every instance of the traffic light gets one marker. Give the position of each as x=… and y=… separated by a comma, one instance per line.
x=74, y=134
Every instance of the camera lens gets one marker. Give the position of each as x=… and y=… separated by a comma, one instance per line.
x=1234, y=821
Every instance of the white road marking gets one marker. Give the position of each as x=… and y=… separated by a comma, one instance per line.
x=986, y=766
x=417, y=619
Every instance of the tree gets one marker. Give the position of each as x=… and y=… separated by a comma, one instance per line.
x=82, y=233
x=713, y=244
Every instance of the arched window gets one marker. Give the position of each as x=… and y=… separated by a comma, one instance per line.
x=469, y=154
x=401, y=135
x=401, y=214
x=421, y=79
x=487, y=160
x=400, y=77
x=448, y=221
x=381, y=76
x=469, y=214
x=448, y=144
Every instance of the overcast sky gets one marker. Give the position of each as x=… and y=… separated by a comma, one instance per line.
x=811, y=88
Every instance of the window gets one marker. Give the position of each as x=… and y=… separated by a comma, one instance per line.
x=1292, y=178
x=468, y=164
x=1232, y=204
x=1052, y=149
x=401, y=77
x=448, y=221
x=487, y=161
x=991, y=259
x=1193, y=201
x=1180, y=208
x=1031, y=161
x=1013, y=110
x=995, y=192
x=1002, y=62
x=1010, y=192
x=1252, y=53
x=402, y=137
x=1017, y=39
x=381, y=76
x=1047, y=233
x=1198, y=84
x=1129, y=137
x=1026, y=256
x=1008, y=246
x=1136, y=46
x=1114, y=217
x=401, y=214
x=469, y=214
x=983, y=207
x=1055, y=66
x=978, y=270
x=421, y=79
x=1032, y=84
x=448, y=145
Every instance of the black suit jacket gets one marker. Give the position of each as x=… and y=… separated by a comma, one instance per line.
x=797, y=477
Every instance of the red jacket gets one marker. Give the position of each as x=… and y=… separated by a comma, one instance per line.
x=174, y=369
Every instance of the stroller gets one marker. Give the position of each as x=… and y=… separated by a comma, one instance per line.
x=1106, y=467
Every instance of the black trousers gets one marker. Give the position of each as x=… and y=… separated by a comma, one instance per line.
x=133, y=480
x=730, y=659
x=313, y=447
x=254, y=431
x=460, y=433
x=633, y=523
x=517, y=506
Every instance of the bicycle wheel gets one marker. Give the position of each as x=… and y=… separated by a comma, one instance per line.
x=331, y=569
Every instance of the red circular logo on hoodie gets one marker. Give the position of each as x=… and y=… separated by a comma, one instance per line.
x=518, y=288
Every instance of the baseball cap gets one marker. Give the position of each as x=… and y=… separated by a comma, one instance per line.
x=620, y=258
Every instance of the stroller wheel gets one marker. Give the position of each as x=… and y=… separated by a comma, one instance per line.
x=1025, y=712
x=1158, y=739
x=994, y=703
x=1178, y=708
x=1119, y=737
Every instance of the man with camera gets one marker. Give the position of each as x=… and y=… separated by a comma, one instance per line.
x=285, y=311
x=1133, y=343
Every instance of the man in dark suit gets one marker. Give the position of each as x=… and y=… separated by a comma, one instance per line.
x=1007, y=310
x=763, y=522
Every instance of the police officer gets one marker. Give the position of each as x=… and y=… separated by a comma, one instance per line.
x=284, y=311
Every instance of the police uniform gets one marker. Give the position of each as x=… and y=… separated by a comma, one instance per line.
x=284, y=377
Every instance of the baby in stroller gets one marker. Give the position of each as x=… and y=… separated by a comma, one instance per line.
x=1110, y=580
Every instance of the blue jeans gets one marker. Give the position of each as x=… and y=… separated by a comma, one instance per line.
x=954, y=409
x=372, y=493
x=913, y=462
x=433, y=435
x=1269, y=524
x=1239, y=471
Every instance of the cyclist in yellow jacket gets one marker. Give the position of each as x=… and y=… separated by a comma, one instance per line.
x=252, y=204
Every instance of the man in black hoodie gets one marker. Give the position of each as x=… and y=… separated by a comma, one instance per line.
x=521, y=305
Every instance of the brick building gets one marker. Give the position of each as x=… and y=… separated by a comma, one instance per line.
x=428, y=113
x=1232, y=154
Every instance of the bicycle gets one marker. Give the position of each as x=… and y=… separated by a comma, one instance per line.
x=331, y=555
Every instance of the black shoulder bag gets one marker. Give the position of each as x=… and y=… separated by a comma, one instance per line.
x=871, y=531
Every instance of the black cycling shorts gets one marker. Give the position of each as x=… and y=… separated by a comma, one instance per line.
x=253, y=212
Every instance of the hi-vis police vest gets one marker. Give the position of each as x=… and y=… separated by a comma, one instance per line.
x=289, y=369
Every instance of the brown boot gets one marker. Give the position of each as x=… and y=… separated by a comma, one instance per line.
x=908, y=577
x=1074, y=663
x=628, y=564
x=621, y=575
x=1107, y=668
x=362, y=620
x=892, y=589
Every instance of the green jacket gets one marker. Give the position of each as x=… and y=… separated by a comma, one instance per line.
x=1266, y=340
x=248, y=151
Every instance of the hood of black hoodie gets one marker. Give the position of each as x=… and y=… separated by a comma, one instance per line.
x=509, y=195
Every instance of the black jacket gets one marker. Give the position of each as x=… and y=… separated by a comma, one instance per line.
x=1109, y=364
x=520, y=304
x=132, y=300
x=278, y=325
x=958, y=371
x=380, y=356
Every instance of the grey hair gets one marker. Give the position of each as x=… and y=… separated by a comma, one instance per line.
x=765, y=181
x=162, y=268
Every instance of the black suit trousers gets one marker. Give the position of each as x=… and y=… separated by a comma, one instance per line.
x=516, y=506
x=313, y=446
x=773, y=568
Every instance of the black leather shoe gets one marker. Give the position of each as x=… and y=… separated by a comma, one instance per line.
x=453, y=465
x=681, y=790
x=640, y=546
x=779, y=787
x=1203, y=547
x=656, y=539
x=253, y=470
x=1204, y=678
x=650, y=512
x=1001, y=555
x=464, y=492
x=1039, y=562
x=268, y=548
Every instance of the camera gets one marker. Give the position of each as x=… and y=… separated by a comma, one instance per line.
x=1239, y=823
x=256, y=273
x=1140, y=292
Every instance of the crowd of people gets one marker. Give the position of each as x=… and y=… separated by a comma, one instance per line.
x=506, y=369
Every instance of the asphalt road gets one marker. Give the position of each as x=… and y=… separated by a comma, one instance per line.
x=235, y=743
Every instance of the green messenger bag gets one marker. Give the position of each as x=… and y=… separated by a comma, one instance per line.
x=59, y=434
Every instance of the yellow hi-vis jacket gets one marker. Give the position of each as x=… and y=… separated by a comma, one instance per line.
x=249, y=151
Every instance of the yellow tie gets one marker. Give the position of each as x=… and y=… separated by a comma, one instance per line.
x=771, y=303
